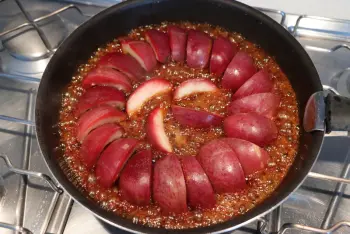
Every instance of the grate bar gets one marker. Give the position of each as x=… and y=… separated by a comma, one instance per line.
x=31, y=173
x=327, y=177
x=282, y=13
x=300, y=18
x=37, y=28
x=33, y=23
x=20, y=78
x=15, y=228
x=17, y=120
x=293, y=226
x=338, y=193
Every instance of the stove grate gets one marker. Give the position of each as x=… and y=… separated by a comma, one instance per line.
x=271, y=223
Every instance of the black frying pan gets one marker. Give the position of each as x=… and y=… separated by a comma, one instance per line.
x=255, y=26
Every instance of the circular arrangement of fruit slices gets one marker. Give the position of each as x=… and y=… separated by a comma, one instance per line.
x=175, y=117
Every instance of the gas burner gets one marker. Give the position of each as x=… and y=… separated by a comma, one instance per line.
x=25, y=44
x=24, y=51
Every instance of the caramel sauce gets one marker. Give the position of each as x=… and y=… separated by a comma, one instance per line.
x=185, y=140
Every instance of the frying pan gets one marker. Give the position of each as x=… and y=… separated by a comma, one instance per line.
x=322, y=114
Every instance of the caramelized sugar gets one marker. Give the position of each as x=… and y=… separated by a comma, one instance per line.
x=186, y=141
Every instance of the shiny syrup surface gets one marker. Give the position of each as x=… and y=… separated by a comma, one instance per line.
x=186, y=141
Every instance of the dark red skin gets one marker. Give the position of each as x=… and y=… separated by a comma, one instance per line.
x=195, y=118
x=135, y=179
x=221, y=55
x=142, y=52
x=96, y=117
x=198, y=49
x=106, y=76
x=251, y=156
x=260, y=82
x=160, y=44
x=222, y=167
x=177, y=41
x=200, y=193
x=251, y=127
x=97, y=140
x=265, y=104
x=124, y=63
x=113, y=159
x=240, y=69
x=169, y=188
x=98, y=96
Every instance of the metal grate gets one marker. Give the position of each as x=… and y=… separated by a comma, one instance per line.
x=271, y=223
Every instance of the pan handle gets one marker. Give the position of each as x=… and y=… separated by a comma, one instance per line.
x=337, y=113
x=326, y=111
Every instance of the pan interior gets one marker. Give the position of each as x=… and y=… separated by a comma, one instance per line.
x=119, y=20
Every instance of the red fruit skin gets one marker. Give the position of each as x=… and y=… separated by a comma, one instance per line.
x=97, y=117
x=113, y=159
x=240, y=69
x=105, y=76
x=260, y=82
x=135, y=179
x=169, y=188
x=123, y=63
x=222, y=167
x=159, y=42
x=251, y=127
x=196, y=118
x=97, y=140
x=200, y=193
x=145, y=91
x=252, y=157
x=142, y=52
x=177, y=41
x=155, y=131
x=198, y=49
x=265, y=104
x=98, y=96
x=221, y=55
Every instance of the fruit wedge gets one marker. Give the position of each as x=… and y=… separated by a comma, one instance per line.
x=240, y=69
x=155, y=131
x=260, y=82
x=265, y=104
x=124, y=63
x=97, y=117
x=222, y=167
x=146, y=91
x=97, y=140
x=142, y=52
x=105, y=76
x=177, y=40
x=135, y=179
x=199, y=190
x=169, y=188
x=221, y=55
x=252, y=127
x=196, y=118
x=192, y=86
x=159, y=42
x=252, y=157
x=98, y=96
x=113, y=159
x=198, y=49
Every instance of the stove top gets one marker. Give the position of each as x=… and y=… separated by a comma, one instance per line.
x=31, y=30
